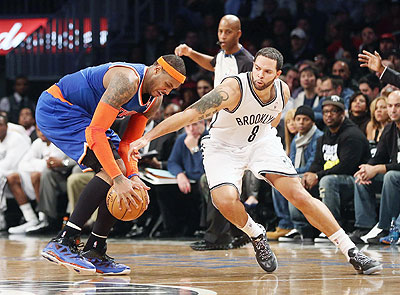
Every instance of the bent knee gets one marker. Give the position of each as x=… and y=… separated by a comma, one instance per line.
x=13, y=178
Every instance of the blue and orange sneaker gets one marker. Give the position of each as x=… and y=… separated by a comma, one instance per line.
x=105, y=264
x=392, y=238
x=65, y=252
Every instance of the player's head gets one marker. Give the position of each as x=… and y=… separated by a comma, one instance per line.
x=229, y=32
x=167, y=73
x=267, y=67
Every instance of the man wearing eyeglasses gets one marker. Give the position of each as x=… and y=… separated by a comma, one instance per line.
x=340, y=151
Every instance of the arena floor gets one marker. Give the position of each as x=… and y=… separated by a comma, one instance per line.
x=171, y=267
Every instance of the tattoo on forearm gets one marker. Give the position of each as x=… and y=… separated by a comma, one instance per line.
x=209, y=101
x=119, y=91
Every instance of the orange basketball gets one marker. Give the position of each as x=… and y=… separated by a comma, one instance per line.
x=124, y=214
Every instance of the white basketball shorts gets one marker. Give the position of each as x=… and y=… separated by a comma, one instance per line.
x=225, y=165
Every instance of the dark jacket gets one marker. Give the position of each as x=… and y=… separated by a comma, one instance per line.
x=387, y=149
x=391, y=77
x=341, y=152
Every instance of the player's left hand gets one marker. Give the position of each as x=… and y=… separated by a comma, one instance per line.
x=139, y=184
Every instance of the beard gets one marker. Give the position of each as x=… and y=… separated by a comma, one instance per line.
x=266, y=85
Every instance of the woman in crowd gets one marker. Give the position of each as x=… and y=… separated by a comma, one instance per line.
x=290, y=129
x=359, y=111
x=379, y=119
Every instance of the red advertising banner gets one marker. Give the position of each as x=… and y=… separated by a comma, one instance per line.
x=14, y=31
x=64, y=34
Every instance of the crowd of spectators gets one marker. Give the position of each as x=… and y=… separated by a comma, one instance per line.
x=332, y=126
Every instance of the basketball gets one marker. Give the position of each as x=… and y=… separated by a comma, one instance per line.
x=124, y=214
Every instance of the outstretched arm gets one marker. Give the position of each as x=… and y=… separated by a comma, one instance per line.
x=226, y=95
x=371, y=61
x=201, y=59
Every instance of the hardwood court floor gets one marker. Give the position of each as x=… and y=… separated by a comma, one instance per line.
x=171, y=267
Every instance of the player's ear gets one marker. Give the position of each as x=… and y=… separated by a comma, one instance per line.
x=239, y=33
x=278, y=73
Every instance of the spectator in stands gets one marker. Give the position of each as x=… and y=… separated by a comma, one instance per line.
x=370, y=86
x=13, y=103
x=181, y=206
x=292, y=79
x=387, y=43
x=13, y=146
x=308, y=96
x=379, y=119
x=321, y=62
x=333, y=85
x=203, y=86
x=302, y=153
x=369, y=40
x=381, y=174
x=53, y=188
x=27, y=120
x=25, y=183
x=290, y=129
x=342, y=69
x=336, y=159
x=359, y=111
x=16, y=128
x=298, y=47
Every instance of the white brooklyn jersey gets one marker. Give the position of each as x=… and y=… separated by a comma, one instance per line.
x=251, y=119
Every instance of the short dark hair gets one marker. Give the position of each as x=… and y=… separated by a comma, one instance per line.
x=175, y=61
x=372, y=80
x=207, y=79
x=335, y=80
x=271, y=53
x=312, y=70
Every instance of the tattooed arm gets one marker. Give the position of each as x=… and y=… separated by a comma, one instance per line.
x=226, y=95
x=121, y=84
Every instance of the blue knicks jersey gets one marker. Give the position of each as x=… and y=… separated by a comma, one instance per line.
x=85, y=89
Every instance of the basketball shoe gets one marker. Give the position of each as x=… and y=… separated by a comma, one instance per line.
x=64, y=251
x=105, y=264
x=264, y=255
x=362, y=263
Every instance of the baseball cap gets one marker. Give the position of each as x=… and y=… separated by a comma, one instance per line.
x=387, y=36
x=334, y=100
x=299, y=33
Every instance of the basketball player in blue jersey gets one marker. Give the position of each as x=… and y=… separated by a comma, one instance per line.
x=245, y=109
x=76, y=115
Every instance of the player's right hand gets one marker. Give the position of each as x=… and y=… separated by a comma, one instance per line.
x=183, y=49
x=134, y=147
x=123, y=187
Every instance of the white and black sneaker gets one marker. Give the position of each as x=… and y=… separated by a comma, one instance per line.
x=292, y=236
x=362, y=263
x=264, y=255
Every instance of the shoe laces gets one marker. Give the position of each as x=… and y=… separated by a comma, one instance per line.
x=262, y=247
x=362, y=258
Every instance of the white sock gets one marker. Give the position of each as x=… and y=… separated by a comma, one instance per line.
x=251, y=228
x=42, y=217
x=28, y=212
x=341, y=240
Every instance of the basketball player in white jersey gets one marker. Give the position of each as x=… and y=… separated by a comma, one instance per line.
x=245, y=110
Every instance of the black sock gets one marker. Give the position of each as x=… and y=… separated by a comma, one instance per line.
x=68, y=232
x=95, y=242
x=102, y=227
x=94, y=193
